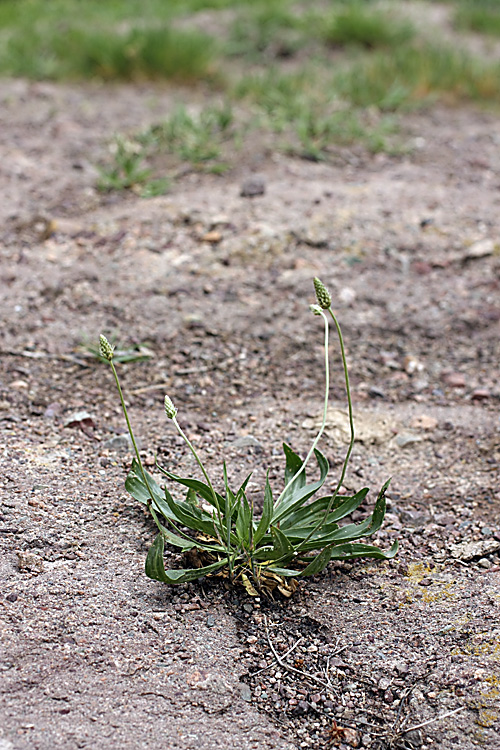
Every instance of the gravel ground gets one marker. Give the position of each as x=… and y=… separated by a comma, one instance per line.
x=401, y=654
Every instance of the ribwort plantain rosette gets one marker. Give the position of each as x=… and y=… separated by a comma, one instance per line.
x=296, y=534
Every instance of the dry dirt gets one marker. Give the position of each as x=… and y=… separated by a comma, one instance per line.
x=403, y=654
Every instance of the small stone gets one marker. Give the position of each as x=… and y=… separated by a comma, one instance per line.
x=247, y=441
x=411, y=365
x=245, y=692
x=210, y=621
x=467, y=551
x=401, y=667
x=481, y=249
x=404, y=439
x=30, y=562
x=424, y=422
x=19, y=385
x=79, y=418
x=484, y=563
x=12, y=597
x=253, y=186
x=383, y=684
x=213, y=237
x=453, y=379
x=480, y=394
x=351, y=736
x=119, y=443
x=301, y=708
x=52, y=410
x=375, y=392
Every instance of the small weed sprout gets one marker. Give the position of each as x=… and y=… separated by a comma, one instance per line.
x=297, y=533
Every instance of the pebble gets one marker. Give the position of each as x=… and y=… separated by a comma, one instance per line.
x=28, y=561
x=252, y=186
x=484, y=563
x=245, y=692
x=79, y=418
x=52, y=410
x=480, y=249
x=247, y=441
x=404, y=439
x=480, y=394
x=119, y=443
x=424, y=422
x=453, y=379
x=18, y=384
x=213, y=237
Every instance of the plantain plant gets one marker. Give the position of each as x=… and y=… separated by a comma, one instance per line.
x=297, y=533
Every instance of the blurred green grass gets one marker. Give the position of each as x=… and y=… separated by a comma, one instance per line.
x=310, y=74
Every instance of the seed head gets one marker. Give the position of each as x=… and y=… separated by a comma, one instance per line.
x=322, y=294
x=170, y=409
x=315, y=309
x=105, y=348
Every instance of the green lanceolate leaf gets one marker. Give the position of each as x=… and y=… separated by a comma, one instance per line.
x=346, y=551
x=313, y=512
x=187, y=515
x=266, y=553
x=191, y=498
x=244, y=484
x=379, y=511
x=135, y=485
x=343, y=534
x=244, y=522
x=295, y=498
x=285, y=572
x=293, y=464
x=184, y=542
x=229, y=504
x=155, y=567
x=318, y=563
x=201, y=489
x=282, y=546
x=267, y=513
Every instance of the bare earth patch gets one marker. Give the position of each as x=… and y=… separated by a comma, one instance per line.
x=403, y=654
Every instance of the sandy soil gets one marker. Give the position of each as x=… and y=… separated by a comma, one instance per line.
x=403, y=654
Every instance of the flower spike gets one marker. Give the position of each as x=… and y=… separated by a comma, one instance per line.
x=170, y=409
x=322, y=294
x=105, y=348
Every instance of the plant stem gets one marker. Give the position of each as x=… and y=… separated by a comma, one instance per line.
x=141, y=467
x=323, y=423
x=191, y=447
x=351, y=441
x=131, y=433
